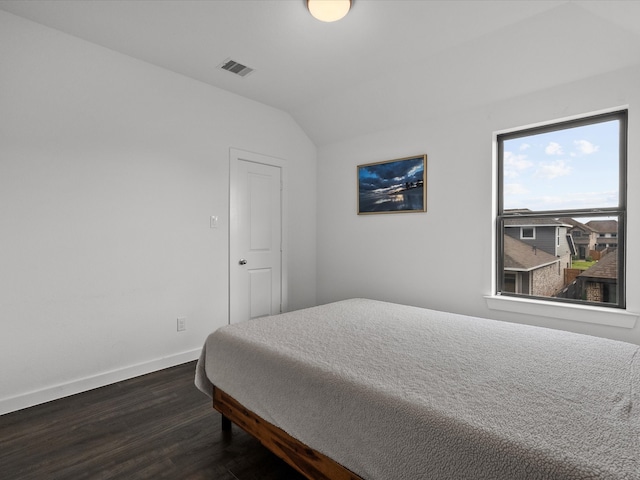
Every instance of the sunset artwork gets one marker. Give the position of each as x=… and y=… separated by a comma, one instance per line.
x=393, y=186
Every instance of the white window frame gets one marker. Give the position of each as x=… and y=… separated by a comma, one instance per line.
x=532, y=237
x=587, y=313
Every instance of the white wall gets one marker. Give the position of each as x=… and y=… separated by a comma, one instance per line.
x=442, y=259
x=109, y=171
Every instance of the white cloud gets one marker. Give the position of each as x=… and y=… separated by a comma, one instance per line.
x=525, y=146
x=413, y=171
x=553, y=148
x=551, y=170
x=514, y=164
x=555, y=201
x=585, y=147
x=580, y=200
x=514, y=189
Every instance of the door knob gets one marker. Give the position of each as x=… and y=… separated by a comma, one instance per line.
x=242, y=261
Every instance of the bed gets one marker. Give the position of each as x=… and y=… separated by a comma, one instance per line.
x=363, y=389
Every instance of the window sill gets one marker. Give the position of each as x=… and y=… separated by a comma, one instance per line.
x=578, y=313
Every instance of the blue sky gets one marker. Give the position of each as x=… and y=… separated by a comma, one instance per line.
x=566, y=169
x=383, y=177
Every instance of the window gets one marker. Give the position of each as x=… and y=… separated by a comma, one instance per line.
x=554, y=181
x=527, y=232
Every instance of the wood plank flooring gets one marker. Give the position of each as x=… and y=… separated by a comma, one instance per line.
x=154, y=426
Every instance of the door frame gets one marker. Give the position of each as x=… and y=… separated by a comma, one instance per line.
x=236, y=155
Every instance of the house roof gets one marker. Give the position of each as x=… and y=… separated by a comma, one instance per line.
x=527, y=221
x=534, y=222
x=611, y=241
x=576, y=224
x=517, y=210
x=607, y=267
x=522, y=256
x=604, y=226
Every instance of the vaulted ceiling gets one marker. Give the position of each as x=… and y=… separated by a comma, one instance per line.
x=387, y=62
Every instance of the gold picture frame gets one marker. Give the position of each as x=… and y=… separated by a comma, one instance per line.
x=393, y=186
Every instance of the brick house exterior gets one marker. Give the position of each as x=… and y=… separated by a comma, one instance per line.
x=606, y=233
x=600, y=282
x=530, y=271
x=536, y=253
x=584, y=237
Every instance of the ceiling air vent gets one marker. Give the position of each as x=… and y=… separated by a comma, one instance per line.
x=235, y=67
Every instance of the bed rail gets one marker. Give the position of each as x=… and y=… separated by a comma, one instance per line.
x=309, y=462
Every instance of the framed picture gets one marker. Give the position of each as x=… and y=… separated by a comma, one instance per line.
x=393, y=186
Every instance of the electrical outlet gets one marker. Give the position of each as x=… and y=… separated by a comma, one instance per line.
x=182, y=324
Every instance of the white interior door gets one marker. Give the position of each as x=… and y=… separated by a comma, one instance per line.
x=255, y=240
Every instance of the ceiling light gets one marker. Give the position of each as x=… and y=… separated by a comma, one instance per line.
x=328, y=10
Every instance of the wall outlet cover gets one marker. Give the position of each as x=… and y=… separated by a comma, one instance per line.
x=182, y=324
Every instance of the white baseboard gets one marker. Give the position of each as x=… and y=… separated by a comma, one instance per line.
x=48, y=394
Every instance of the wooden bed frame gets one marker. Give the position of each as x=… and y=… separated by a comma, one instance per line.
x=309, y=462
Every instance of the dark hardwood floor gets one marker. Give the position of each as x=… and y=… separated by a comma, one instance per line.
x=155, y=426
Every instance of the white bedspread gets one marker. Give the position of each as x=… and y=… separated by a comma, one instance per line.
x=397, y=392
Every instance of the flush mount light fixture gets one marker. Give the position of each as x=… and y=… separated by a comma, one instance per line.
x=328, y=10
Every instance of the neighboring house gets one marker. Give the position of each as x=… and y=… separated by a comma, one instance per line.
x=607, y=233
x=584, y=237
x=600, y=282
x=536, y=260
x=529, y=270
x=546, y=234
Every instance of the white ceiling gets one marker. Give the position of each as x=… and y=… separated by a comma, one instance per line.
x=386, y=62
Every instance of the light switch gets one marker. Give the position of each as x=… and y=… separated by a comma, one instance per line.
x=213, y=221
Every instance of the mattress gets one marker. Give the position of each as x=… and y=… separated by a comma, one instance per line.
x=398, y=392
